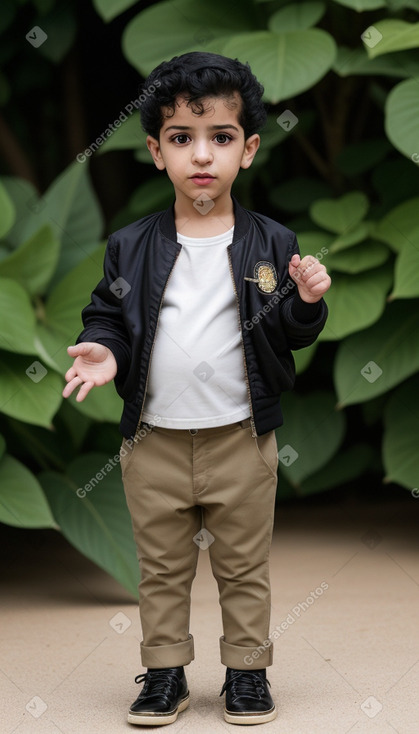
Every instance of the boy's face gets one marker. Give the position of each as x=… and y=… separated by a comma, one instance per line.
x=212, y=143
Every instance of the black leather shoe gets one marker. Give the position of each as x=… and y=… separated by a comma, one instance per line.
x=248, y=700
x=164, y=694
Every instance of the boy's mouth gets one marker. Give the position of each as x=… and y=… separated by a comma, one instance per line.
x=202, y=178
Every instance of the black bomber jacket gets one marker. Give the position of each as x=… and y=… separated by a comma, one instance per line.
x=124, y=310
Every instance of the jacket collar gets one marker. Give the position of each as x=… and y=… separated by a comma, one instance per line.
x=241, y=222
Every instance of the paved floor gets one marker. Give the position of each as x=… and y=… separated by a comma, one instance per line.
x=346, y=660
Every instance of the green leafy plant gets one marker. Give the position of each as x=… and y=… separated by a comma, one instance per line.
x=372, y=248
x=45, y=280
x=342, y=170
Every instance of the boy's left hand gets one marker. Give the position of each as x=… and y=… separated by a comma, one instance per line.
x=311, y=277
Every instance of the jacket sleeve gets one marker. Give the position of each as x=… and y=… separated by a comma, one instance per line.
x=103, y=319
x=302, y=322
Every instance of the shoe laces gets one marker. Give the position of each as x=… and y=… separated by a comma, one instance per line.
x=245, y=684
x=158, y=682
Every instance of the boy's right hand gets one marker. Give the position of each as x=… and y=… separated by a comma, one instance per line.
x=94, y=364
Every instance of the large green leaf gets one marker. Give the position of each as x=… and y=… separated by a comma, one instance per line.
x=406, y=274
x=61, y=326
x=73, y=292
x=273, y=134
x=109, y=9
x=70, y=207
x=311, y=243
x=102, y=404
x=61, y=321
x=48, y=350
x=286, y=63
x=129, y=135
x=401, y=436
x=51, y=449
x=23, y=195
x=375, y=360
x=340, y=215
x=28, y=391
x=303, y=357
x=17, y=325
x=22, y=501
x=397, y=35
x=397, y=226
x=402, y=118
x=356, y=61
x=312, y=432
x=356, y=259
x=362, y=5
x=351, y=237
x=152, y=196
x=7, y=211
x=355, y=302
x=296, y=16
x=396, y=5
x=60, y=27
x=98, y=524
x=186, y=25
x=34, y=262
x=345, y=466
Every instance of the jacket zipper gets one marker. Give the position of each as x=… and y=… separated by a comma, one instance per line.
x=154, y=339
x=252, y=419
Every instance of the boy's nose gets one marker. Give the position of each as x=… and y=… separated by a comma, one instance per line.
x=201, y=153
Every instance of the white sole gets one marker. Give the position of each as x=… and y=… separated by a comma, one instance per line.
x=250, y=718
x=150, y=719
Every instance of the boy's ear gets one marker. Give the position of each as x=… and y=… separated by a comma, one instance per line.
x=154, y=147
x=250, y=148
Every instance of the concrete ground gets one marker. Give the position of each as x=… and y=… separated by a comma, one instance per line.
x=346, y=660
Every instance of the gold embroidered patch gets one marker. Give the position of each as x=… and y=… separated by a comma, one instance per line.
x=265, y=276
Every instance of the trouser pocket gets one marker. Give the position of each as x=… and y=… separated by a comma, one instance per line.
x=268, y=451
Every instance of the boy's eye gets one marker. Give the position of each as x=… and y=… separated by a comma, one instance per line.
x=181, y=138
x=222, y=138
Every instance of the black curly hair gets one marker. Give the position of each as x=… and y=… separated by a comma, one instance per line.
x=197, y=75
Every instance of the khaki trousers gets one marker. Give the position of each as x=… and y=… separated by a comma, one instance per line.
x=211, y=488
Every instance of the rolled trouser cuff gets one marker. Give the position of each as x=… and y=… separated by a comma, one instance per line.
x=168, y=656
x=246, y=658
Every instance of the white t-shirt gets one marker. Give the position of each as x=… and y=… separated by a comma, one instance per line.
x=197, y=375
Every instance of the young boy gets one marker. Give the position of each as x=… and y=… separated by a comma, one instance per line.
x=194, y=319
